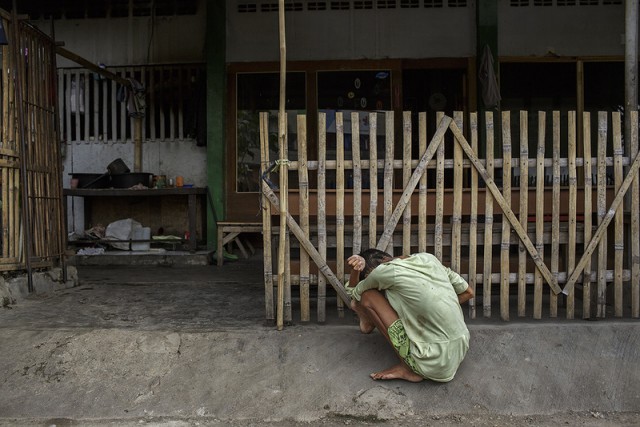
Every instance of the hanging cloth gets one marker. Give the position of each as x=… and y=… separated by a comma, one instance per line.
x=488, y=81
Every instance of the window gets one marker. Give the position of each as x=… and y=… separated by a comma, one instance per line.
x=256, y=93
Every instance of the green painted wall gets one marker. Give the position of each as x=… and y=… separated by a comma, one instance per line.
x=216, y=95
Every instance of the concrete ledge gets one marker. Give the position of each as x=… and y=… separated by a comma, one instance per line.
x=133, y=258
x=15, y=289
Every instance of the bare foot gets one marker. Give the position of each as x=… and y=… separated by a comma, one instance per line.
x=399, y=372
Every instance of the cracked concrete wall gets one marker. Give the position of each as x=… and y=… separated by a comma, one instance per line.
x=14, y=289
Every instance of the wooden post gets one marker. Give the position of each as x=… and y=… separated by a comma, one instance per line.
x=601, y=211
x=635, y=223
x=540, y=178
x=456, y=218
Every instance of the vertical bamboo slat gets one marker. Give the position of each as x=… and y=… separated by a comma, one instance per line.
x=422, y=189
x=406, y=176
x=588, y=210
x=618, y=229
x=506, y=228
x=635, y=223
x=373, y=178
x=456, y=218
x=573, y=198
x=357, y=183
x=322, y=213
x=540, y=181
x=388, y=173
x=473, y=217
x=303, y=185
x=6, y=203
x=340, y=269
x=266, y=220
x=601, y=212
x=438, y=228
x=488, y=222
x=555, y=216
x=524, y=209
x=288, y=315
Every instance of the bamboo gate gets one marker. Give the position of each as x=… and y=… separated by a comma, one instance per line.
x=30, y=166
x=535, y=234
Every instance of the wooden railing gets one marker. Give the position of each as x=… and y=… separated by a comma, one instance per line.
x=532, y=233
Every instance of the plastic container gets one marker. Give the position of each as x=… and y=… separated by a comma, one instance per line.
x=141, y=233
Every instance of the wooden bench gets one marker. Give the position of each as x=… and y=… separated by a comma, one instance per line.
x=230, y=232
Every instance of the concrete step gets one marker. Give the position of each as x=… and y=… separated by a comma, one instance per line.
x=151, y=257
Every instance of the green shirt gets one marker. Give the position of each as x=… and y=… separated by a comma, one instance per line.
x=424, y=294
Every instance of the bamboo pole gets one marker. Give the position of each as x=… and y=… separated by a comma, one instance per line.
x=373, y=178
x=422, y=189
x=303, y=185
x=473, y=218
x=488, y=226
x=456, y=218
x=340, y=269
x=288, y=316
x=618, y=153
x=388, y=180
x=588, y=209
x=602, y=206
x=506, y=229
x=635, y=223
x=573, y=198
x=540, y=178
x=322, y=214
x=555, y=209
x=406, y=176
x=524, y=208
x=437, y=251
x=283, y=166
x=266, y=220
x=357, y=183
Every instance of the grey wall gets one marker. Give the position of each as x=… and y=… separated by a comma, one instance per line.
x=564, y=31
x=423, y=32
x=352, y=34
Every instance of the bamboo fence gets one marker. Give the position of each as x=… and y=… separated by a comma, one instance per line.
x=30, y=167
x=542, y=236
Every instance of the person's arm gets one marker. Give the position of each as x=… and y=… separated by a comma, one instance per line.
x=462, y=288
x=357, y=264
x=466, y=295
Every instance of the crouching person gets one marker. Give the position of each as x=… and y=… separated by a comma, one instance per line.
x=415, y=303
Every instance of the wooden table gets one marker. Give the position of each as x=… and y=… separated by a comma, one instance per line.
x=190, y=193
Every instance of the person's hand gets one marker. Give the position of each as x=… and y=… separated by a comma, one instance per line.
x=356, y=262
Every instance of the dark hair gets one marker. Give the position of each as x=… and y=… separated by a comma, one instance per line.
x=372, y=259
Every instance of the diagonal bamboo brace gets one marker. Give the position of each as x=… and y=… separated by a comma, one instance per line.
x=602, y=228
x=306, y=244
x=387, y=234
x=506, y=209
